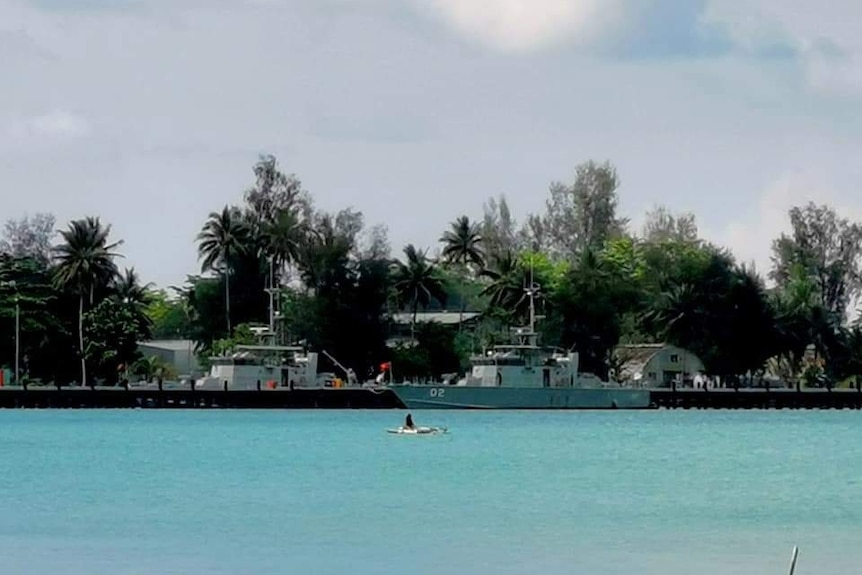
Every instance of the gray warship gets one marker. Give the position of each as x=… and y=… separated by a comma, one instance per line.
x=523, y=375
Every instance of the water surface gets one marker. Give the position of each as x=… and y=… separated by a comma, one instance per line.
x=329, y=492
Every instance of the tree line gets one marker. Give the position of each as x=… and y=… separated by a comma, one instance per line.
x=336, y=285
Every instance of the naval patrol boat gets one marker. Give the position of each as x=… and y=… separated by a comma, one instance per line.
x=523, y=375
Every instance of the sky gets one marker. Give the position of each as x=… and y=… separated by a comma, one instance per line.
x=151, y=113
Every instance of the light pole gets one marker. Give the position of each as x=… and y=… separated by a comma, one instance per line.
x=14, y=286
x=17, y=335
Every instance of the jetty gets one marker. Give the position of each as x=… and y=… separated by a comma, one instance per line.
x=187, y=397
x=756, y=398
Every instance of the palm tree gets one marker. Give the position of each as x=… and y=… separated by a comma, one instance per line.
x=507, y=281
x=131, y=294
x=677, y=314
x=281, y=240
x=85, y=261
x=461, y=247
x=127, y=288
x=462, y=244
x=416, y=281
x=222, y=239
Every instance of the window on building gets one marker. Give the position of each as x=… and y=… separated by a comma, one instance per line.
x=674, y=358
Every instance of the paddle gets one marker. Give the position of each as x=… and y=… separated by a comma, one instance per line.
x=793, y=559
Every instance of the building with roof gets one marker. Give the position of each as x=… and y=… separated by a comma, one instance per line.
x=452, y=318
x=400, y=333
x=178, y=353
x=659, y=365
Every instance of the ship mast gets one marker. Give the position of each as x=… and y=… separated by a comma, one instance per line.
x=274, y=297
x=532, y=290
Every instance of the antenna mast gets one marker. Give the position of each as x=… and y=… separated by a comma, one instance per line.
x=274, y=301
x=532, y=293
x=532, y=290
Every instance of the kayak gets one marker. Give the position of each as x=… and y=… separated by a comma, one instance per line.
x=417, y=430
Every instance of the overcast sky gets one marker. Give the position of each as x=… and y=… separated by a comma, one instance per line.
x=150, y=113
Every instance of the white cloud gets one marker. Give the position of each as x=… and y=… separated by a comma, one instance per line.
x=826, y=35
x=523, y=25
x=51, y=125
x=362, y=99
x=750, y=237
x=60, y=123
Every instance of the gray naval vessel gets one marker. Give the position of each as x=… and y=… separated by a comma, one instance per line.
x=523, y=375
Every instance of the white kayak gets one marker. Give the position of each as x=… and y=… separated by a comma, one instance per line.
x=417, y=430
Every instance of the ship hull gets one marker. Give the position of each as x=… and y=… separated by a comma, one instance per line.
x=475, y=397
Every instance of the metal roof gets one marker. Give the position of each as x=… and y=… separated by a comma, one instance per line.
x=169, y=344
x=444, y=317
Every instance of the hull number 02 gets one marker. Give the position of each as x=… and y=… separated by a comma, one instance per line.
x=437, y=393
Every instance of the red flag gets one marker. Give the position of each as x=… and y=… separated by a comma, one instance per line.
x=385, y=366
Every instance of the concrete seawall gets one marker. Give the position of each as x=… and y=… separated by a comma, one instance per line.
x=167, y=398
x=118, y=398
x=756, y=399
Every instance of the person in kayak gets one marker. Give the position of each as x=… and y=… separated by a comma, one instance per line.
x=408, y=422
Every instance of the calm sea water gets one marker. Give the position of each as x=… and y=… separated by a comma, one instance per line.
x=322, y=492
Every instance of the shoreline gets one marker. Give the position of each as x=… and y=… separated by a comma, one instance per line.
x=364, y=398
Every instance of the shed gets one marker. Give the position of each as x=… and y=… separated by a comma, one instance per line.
x=658, y=365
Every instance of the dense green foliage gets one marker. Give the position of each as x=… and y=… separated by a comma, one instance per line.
x=74, y=305
x=338, y=288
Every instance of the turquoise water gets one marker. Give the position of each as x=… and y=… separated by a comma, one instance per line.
x=322, y=492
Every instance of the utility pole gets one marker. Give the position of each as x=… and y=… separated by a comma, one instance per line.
x=17, y=337
x=14, y=286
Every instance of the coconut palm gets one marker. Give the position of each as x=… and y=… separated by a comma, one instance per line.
x=223, y=238
x=462, y=247
x=507, y=282
x=85, y=262
x=281, y=239
x=131, y=294
x=677, y=314
x=127, y=288
x=462, y=244
x=416, y=281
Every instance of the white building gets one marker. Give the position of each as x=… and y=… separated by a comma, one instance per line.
x=659, y=365
x=179, y=353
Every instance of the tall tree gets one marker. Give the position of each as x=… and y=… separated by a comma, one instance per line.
x=717, y=310
x=462, y=249
x=583, y=215
x=223, y=238
x=462, y=244
x=507, y=280
x=134, y=298
x=29, y=236
x=663, y=226
x=374, y=244
x=587, y=308
x=416, y=281
x=324, y=256
x=26, y=292
x=534, y=234
x=499, y=229
x=273, y=193
x=127, y=288
x=829, y=250
x=280, y=242
x=85, y=262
